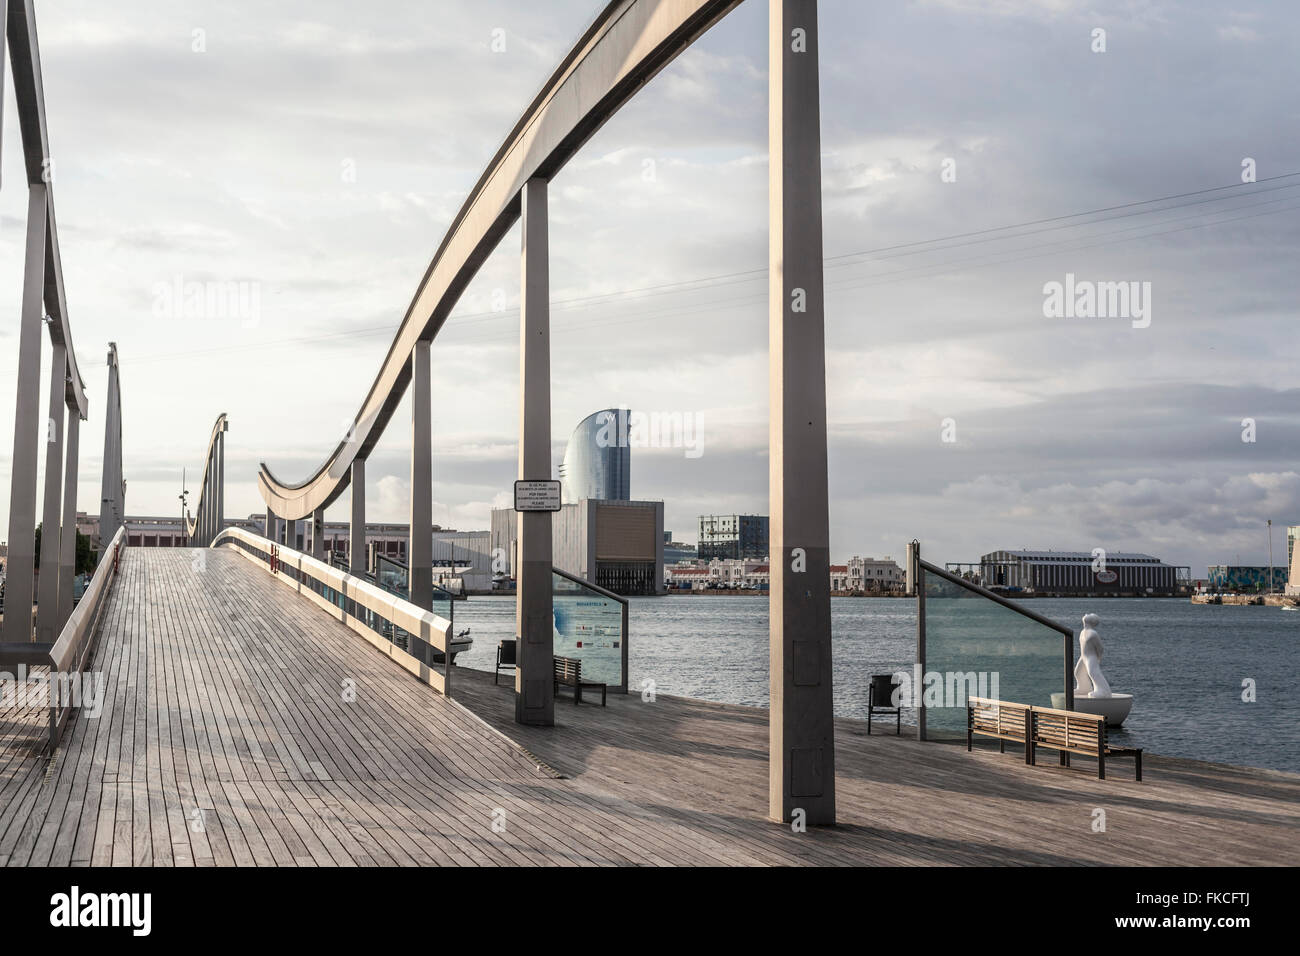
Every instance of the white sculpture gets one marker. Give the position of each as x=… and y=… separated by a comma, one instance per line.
x=1092, y=693
x=1089, y=681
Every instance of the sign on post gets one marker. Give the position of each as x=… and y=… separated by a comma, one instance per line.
x=541, y=495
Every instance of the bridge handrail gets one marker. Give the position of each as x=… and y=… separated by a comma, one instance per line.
x=72, y=650
x=383, y=606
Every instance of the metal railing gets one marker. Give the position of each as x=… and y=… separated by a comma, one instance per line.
x=71, y=652
x=375, y=614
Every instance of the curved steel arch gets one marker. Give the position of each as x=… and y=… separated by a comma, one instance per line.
x=627, y=44
x=210, y=509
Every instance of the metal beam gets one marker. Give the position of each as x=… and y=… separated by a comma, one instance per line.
x=29, y=96
x=20, y=566
x=68, y=541
x=625, y=46
x=357, y=529
x=47, y=604
x=534, y=623
x=419, y=550
x=801, y=762
x=112, y=506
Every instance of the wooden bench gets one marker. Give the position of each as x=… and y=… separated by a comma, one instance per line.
x=1066, y=731
x=998, y=718
x=568, y=671
x=1071, y=732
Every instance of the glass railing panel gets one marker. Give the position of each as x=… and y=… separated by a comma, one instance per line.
x=975, y=646
x=590, y=625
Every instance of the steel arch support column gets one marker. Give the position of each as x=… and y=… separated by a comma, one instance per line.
x=318, y=534
x=801, y=730
x=47, y=606
x=68, y=542
x=357, y=529
x=291, y=534
x=268, y=528
x=220, y=500
x=20, y=567
x=112, y=506
x=419, y=550
x=534, y=690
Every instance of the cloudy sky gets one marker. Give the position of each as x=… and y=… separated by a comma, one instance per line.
x=316, y=152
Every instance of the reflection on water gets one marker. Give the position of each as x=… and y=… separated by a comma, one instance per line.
x=1183, y=663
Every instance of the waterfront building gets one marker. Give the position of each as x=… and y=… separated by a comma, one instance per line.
x=616, y=545
x=598, y=459
x=1082, y=573
x=1247, y=579
x=732, y=536
x=675, y=551
x=872, y=574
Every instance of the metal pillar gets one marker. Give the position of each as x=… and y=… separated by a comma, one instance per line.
x=268, y=528
x=20, y=566
x=68, y=543
x=419, y=550
x=219, y=502
x=534, y=691
x=357, y=529
x=318, y=534
x=291, y=534
x=112, y=506
x=801, y=768
x=47, y=604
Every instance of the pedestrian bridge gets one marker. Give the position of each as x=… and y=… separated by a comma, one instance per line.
x=242, y=701
x=242, y=723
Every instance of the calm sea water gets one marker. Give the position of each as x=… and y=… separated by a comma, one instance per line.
x=1183, y=663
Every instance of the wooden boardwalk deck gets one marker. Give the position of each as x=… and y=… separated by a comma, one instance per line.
x=228, y=736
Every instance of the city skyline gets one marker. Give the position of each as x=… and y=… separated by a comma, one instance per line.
x=1068, y=433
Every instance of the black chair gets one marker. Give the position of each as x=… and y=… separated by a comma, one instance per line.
x=880, y=700
x=505, y=658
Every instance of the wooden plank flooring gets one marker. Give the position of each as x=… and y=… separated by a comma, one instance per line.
x=241, y=725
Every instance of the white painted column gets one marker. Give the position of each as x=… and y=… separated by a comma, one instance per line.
x=68, y=543
x=20, y=567
x=357, y=528
x=419, y=548
x=802, y=736
x=534, y=690
x=47, y=607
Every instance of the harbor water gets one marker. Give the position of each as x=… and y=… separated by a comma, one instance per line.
x=1187, y=666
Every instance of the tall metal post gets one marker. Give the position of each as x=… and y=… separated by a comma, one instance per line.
x=419, y=549
x=219, y=503
x=20, y=567
x=112, y=508
x=534, y=691
x=268, y=527
x=291, y=534
x=801, y=769
x=47, y=604
x=68, y=543
x=357, y=528
x=318, y=534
